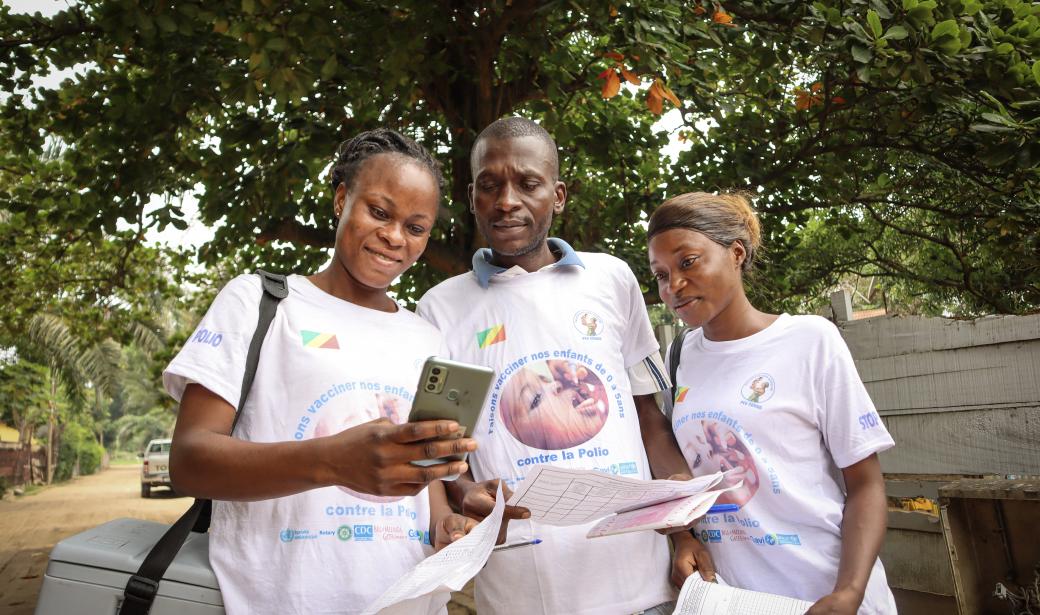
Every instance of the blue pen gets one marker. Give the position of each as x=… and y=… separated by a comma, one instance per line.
x=522, y=543
x=721, y=508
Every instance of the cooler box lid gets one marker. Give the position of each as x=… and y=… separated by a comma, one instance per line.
x=122, y=544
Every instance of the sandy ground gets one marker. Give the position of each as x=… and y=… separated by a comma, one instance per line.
x=31, y=525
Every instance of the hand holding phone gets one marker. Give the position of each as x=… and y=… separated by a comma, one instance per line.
x=451, y=390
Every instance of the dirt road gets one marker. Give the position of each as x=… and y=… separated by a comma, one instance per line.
x=32, y=525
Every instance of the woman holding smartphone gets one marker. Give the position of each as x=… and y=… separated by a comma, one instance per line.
x=776, y=400
x=317, y=506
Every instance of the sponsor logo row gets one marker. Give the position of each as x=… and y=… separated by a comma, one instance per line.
x=739, y=535
x=357, y=533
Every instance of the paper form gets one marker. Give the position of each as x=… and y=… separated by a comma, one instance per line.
x=561, y=496
x=701, y=598
x=674, y=513
x=427, y=588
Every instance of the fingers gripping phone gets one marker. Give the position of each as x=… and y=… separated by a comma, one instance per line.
x=454, y=391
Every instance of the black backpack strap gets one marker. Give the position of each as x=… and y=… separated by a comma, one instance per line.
x=674, y=356
x=142, y=587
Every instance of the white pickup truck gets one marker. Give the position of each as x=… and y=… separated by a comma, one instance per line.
x=155, y=468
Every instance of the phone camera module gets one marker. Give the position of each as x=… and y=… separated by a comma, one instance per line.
x=431, y=387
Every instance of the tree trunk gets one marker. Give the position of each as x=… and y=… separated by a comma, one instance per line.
x=25, y=440
x=52, y=405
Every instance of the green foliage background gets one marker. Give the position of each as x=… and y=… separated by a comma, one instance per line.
x=888, y=140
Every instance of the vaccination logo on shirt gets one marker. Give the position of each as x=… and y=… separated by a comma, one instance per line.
x=589, y=324
x=758, y=389
x=554, y=404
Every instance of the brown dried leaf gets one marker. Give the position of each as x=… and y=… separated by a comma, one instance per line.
x=612, y=85
x=654, y=100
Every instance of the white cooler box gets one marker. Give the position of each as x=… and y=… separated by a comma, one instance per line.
x=88, y=572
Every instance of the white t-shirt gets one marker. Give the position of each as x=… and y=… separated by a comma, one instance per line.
x=785, y=410
x=560, y=340
x=325, y=365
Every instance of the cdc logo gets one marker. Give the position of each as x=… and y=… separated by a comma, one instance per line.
x=711, y=535
x=363, y=532
x=286, y=535
x=344, y=532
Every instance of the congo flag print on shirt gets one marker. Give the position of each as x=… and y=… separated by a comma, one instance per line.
x=314, y=339
x=490, y=336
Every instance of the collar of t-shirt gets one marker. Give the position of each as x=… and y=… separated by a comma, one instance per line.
x=482, y=267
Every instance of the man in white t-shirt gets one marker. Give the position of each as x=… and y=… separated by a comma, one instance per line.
x=577, y=364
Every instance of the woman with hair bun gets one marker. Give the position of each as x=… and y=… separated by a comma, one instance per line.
x=317, y=507
x=776, y=400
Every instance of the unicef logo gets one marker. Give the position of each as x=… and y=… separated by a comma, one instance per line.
x=286, y=535
x=344, y=533
x=758, y=389
x=589, y=324
x=770, y=539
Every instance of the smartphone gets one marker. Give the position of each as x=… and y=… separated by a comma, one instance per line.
x=454, y=391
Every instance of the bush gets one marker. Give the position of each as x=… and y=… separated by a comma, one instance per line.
x=77, y=445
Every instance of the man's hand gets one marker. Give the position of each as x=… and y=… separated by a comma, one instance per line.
x=690, y=556
x=375, y=457
x=451, y=527
x=479, y=500
x=841, y=602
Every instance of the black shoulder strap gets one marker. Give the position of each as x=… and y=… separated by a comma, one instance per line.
x=674, y=356
x=141, y=588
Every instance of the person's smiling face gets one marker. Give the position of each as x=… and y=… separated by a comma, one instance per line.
x=386, y=217
x=696, y=277
x=515, y=193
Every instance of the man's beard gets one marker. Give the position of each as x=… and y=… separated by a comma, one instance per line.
x=535, y=244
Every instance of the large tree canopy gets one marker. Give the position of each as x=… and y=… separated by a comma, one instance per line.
x=891, y=139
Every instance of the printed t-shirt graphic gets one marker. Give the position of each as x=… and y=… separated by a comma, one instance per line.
x=326, y=365
x=779, y=410
x=561, y=397
x=554, y=404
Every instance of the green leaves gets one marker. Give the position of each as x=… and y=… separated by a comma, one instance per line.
x=245, y=102
x=329, y=68
x=948, y=28
x=896, y=33
x=875, y=23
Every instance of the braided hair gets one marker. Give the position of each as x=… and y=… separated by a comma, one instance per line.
x=352, y=154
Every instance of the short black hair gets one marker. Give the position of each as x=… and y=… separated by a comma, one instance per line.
x=515, y=127
x=352, y=154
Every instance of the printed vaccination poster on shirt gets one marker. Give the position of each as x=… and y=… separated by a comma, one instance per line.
x=361, y=517
x=721, y=440
x=564, y=401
